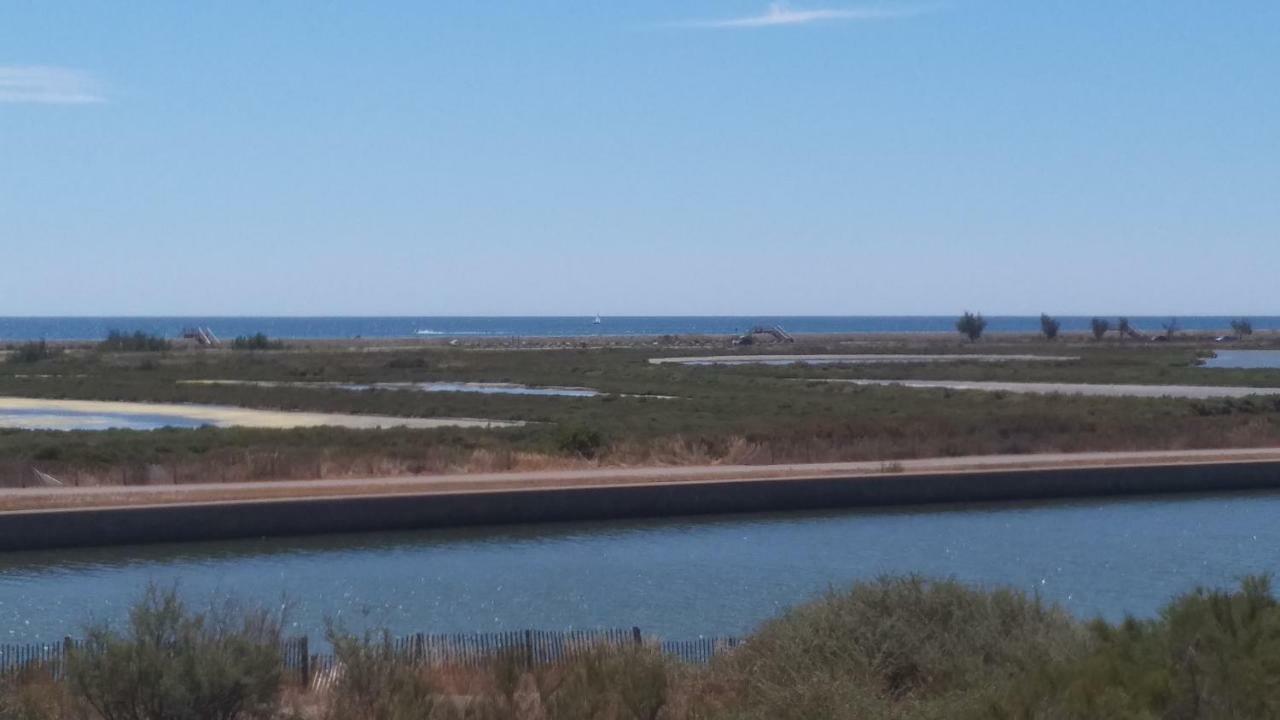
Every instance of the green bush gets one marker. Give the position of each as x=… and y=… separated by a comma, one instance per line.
x=258, y=341
x=1242, y=327
x=139, y=341
x=893, y=645
x=971, y=325
x=33, y=352
x=1211, y=655
x=171, y=663
x=581, y=441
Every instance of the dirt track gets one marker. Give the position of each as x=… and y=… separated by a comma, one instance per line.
x=48, y=498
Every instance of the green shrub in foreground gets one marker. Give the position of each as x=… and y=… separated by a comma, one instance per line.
x=896, y=647
x=1211, y=655
x=171, y=663
x=892, y=649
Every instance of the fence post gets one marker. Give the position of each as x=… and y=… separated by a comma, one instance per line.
x=635, y=635
x=528, y=649
x=304, y=668
x=68, y=645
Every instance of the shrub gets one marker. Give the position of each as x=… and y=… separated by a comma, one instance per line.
x=628, y=682
x=581, y=441
x=258, y=341
x=172, y=663
x=34, y=352
x=1171, y=328
x=1049, y=327
x=139, y=341
x=1210, y=654
x=376, y=683
x=34, y=695
x=1242, y=327
x=1099, y=327
x=971, y=325
x=895, y=644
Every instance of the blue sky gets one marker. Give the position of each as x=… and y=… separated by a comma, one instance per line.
x=690, y=157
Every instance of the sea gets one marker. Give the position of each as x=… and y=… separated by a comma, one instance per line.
x=314, y=328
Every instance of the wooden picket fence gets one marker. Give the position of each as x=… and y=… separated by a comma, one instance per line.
x=530, y=648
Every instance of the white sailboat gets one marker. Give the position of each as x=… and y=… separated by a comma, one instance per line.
x=597, y=321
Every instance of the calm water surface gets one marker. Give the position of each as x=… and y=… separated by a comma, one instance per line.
x=47, y=419
x=96, y=328
x=678, y=578
x=1244, y=359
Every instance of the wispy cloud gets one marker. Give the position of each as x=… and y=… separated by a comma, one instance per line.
x=781, y=14
x=45, y=84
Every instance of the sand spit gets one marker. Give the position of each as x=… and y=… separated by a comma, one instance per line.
x=864, y=359
x=101, y=415
x=1193, y=392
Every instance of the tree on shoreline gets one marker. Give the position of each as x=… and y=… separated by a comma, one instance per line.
x=1242, y=327
x=1049, y=327
x=1100, y=327
x=1123, y=327
x=971, y=325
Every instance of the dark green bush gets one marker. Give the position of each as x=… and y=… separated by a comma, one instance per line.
x=139, y=341
x=581, y=441
x=258, y=341
x=1211, y=655
x=34, y=352
x=171, y=663
x=896, y=647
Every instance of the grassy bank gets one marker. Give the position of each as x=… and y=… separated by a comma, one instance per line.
x=717, y=414
x=896, y=648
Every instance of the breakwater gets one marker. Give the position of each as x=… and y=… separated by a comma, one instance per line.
x=39, y=530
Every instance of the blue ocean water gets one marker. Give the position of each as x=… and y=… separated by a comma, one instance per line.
x=93, y=328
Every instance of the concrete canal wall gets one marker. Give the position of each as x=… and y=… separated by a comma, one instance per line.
x=228, y=520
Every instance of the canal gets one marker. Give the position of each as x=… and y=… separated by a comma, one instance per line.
x=679, y=578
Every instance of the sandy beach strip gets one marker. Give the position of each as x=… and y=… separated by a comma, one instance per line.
x=220, y=415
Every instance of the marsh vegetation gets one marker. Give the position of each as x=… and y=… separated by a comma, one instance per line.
x=724, y=414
